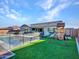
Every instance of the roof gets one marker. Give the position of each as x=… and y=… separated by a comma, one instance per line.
x=47, y=24
x=4, y=28
x=24, y=25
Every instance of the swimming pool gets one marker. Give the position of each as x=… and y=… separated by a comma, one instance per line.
x=13, y=41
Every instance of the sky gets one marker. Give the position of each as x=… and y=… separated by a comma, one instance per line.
x=19, y=12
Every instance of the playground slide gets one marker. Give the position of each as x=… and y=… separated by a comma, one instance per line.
x=52, y=34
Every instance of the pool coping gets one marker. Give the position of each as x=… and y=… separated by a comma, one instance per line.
x=6, y=56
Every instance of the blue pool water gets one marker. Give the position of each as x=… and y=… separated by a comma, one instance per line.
x=10, y=41
x=15, y=40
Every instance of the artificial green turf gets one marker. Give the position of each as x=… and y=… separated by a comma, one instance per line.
x=49, y=49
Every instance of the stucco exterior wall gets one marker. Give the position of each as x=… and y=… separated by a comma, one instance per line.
x=46, y=31
x=3, y=31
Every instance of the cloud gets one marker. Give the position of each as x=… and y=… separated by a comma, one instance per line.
x=45, y=4
x=13, y=11
x=20, y=4
x=12, y=16
x=57, y=10
x=2, y=11
x=6, y=11
x=16, y=16
x=10, y=13
x=4, y=8
x=54, y=12
x=6, y=2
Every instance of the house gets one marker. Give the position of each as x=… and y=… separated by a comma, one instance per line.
x=71, y=31
x=55, y=28
x=3, y=31
x=78, y=32
x=25, y=29
x=14, y=29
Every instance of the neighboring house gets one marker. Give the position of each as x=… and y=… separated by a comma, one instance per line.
x=25, y=29
x=10, y=30
x=71, y=32
x=3, y=31
x=75, y=33
x=15, y=27
x=50, y=28
x=78, y=32
x=14, y=30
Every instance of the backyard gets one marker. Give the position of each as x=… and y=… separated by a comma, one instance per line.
x=48, y=49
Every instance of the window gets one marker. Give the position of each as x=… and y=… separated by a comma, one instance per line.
x=51, y=29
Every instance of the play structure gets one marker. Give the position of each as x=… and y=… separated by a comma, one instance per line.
x=52, y=34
